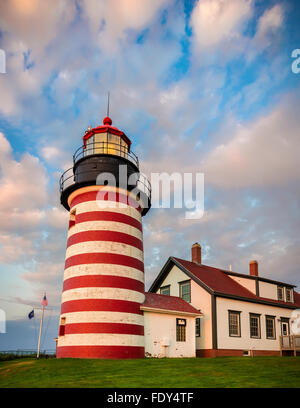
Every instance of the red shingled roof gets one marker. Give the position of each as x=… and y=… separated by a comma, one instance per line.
x=220, y=282
x=297, y=298
x=165, y=302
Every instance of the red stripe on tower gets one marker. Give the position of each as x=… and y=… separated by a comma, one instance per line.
x=99, y=258
x=92, y=281
x=108, y=216
x=99, y=235
x=110, y=196
x=119, y=328
x=111, y=352
x=108, y=305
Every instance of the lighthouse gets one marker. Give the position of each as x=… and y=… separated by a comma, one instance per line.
x=103, y=288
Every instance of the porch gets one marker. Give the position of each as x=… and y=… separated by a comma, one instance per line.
x=289, y=343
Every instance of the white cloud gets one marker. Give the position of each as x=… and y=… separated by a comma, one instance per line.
x=217, y=21
x=15, y=248
x=56, y=156
x=35, y=23
x=29, y=28
x=269, y=22
x=110, y=20
x=23, y=183
x=265, y=152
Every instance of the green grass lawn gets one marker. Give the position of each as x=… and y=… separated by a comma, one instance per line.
x=186, y=372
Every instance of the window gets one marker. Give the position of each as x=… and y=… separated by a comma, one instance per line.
x=62, y=326
x=185, y=290
x=289, y=294
x=254, y=326
x=165, y=290
x=280, y=292
x=180, y=330
x=270, y=327
x=285, y=326
x=198, y=331
x=72, y=220
x=234, y=323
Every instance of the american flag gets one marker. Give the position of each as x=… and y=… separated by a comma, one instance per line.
x=44, y=301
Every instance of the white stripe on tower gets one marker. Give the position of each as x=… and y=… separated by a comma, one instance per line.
x=106, y=269
x=106, y=317
x=105, y=226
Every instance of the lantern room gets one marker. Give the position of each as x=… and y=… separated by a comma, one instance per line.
x=106, y=139
x=106, y=152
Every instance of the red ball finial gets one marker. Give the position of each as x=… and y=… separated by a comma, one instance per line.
x=107, y=121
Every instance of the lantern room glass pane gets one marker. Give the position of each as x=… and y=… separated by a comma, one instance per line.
x=124, y=149
x=113, y=146
x=100, y=143
x=89, y=146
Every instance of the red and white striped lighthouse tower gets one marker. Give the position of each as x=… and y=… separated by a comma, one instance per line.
x=104, y=269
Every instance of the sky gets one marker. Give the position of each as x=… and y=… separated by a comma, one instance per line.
x=198, y=85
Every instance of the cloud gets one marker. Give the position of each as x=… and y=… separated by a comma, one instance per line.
x=15, y=248
x=216, y=22
x=268, y=23
x=262, y=153
x=28, y=30
x=23, y=183
x=56, y=156
x=220, y=29
x=32, y=229
x=23, y=19
x=110, y=21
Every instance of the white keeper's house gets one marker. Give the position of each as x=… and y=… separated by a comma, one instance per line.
x=240, y=314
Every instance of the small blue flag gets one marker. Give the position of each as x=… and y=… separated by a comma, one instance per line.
x=31, y=314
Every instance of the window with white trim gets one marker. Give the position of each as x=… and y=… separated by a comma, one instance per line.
x=180, y=329
x=270, y=327
x=289, y=294
x=185, y=291
x=165, y=290
x=254, y=326
x=234, y=323
x=280, y=294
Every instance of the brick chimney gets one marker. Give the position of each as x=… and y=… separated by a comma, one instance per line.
x=196, y=253
x=253, y=268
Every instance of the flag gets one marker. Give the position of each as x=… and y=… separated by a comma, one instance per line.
x=44, y=301
x=31, y=314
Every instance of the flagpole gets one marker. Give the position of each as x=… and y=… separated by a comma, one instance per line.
x=40, y=335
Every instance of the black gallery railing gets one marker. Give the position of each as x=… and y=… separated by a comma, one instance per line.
x=114, y=149
x=68, y=178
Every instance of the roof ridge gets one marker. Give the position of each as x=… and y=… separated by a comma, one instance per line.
x=239, y=274
x=238, y=285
